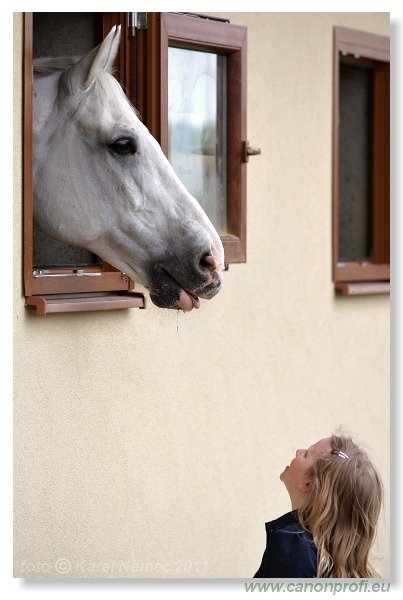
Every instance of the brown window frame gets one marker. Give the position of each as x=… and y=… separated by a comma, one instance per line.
x=70, y=289
x=196, y=33
x=371, y=276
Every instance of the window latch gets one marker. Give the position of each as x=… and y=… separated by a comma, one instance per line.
x=248, y=151
x=74, y=273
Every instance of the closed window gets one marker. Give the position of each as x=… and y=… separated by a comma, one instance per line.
x=361, y=201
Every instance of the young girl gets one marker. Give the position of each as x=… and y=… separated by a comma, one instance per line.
x=336, y=497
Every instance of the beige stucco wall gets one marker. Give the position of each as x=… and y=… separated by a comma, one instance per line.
x=150, y=442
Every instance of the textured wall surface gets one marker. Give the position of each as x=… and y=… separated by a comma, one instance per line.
x=149, y=443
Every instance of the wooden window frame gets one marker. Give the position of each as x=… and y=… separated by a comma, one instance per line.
x=70, y=289
x=195, y=33
x=372, y=276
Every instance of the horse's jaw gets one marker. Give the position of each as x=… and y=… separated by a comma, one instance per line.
x=174, y=281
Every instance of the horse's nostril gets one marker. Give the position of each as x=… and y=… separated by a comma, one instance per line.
x=208, y=262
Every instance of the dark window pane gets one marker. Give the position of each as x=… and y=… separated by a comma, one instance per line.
x=355, y=204
x=48, y=253
x=54, y=35
x=64, y=34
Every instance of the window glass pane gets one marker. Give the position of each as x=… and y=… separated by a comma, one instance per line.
x=197, y=136
x=355, y=204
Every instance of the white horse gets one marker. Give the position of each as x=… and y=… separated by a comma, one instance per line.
x=101, y=181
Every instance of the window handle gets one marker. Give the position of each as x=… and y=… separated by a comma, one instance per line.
x=248, y=151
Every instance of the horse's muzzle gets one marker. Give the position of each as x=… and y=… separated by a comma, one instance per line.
x=172, y=287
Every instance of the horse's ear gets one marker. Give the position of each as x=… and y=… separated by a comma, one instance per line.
x=101, y=58
x=106, y=54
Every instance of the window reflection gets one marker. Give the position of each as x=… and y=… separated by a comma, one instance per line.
x=197, y=136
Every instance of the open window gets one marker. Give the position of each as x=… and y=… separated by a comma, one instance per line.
x=60, y=278
x=200, y=122
x=191, y=93
x=361, y=221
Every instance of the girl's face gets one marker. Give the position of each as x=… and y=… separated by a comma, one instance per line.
x=295, y=476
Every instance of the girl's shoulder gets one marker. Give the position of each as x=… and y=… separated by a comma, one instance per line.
x=287, y=522
x=290, y=550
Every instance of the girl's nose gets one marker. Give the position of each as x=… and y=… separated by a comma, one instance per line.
x=298, y=452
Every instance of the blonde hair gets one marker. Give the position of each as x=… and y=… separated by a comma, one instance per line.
x=342, y=509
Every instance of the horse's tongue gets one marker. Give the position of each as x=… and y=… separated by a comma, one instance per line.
x=187, y=301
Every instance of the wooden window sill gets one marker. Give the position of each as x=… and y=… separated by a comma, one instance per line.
x=63, y=303
x=362, y=288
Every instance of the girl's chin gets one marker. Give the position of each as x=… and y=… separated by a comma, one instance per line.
x=282, y=474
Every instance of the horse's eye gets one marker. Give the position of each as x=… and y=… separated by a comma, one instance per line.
x=123, y=146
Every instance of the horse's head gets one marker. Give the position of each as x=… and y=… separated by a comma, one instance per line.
x=101, y=181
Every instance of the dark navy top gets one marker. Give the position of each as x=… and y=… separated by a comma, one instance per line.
x=290, y=551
